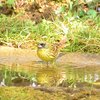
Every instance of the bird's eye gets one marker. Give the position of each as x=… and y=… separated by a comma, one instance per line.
x=41, y=43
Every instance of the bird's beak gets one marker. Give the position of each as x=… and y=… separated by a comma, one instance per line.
x=39, y=46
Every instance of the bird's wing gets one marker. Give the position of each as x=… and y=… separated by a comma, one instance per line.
x=50, y=53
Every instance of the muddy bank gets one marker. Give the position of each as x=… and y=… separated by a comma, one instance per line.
x=27, y=93
x=9, y=56
x=80, y=59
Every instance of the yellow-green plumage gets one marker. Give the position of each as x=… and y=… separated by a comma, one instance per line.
x=50, y=54
x=46, y=54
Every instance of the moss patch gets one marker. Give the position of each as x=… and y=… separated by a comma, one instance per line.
x=27, y=93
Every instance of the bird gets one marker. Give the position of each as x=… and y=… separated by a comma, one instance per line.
x=49, y=54
x=46, y=54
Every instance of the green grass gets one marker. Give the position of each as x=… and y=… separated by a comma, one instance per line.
x=14, y=30
x=14, y=75
x=83, y=34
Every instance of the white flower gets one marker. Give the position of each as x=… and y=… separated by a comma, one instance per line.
x=65, y=29
x=88, y=1
x=33, y=84
x=2, y=83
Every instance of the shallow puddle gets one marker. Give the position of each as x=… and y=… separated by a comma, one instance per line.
x=75, y=67
x=65, y=76
x=23, y=68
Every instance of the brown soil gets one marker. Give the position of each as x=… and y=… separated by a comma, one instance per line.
x=34, y=11
x=38, y=10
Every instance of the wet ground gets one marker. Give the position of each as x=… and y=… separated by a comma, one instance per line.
x=9, y=56
x=73, y=73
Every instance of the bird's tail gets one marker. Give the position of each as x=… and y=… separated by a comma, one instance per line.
x=62, y=42
x=60, y=45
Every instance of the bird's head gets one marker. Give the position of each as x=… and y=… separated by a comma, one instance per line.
x=41, y=45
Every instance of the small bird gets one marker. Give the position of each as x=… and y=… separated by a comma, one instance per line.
x=46, y=54
x=49, y=54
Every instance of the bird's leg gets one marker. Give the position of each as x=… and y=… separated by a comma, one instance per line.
x=47, y=64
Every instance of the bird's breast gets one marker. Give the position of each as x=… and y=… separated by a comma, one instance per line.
x=45, y=55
